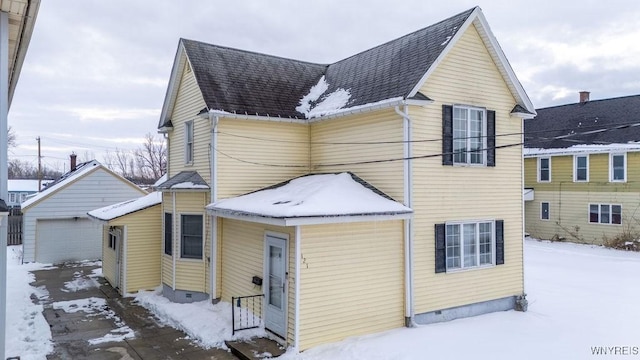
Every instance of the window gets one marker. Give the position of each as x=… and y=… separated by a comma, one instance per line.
x=581, y=168
x=468, y=136
x=112, y=241
x=191, y=234
x=469, y=245
x=544, y=169
x=12, y=197
x=23, y=197
x=605, y=214
x=188, y=142
x=168, y=233
x=618, y=167
x=544, y=211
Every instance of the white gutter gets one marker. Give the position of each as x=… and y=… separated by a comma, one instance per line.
x=173, y=240
x=296, y=320
x=408, y=223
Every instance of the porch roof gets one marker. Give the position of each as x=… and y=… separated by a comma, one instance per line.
x=313, y=199
x=111, y=212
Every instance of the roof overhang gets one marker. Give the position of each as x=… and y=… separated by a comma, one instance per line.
x=22, y=18
x=306, y=220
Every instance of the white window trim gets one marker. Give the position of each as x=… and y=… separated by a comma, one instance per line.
x=575, y=168
x=204, y=228
x=484, y=135
x=611, y=155
x=538, y=175
x=610, y=223
x=186, y=142
x=548, y=211
x=493, y=246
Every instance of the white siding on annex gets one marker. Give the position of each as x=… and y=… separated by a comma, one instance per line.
x=50, y=221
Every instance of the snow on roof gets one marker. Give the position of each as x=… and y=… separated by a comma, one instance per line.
x=162, y=179
x=582, y=149
x=126, y=207
x=188, y=185
x=316, y=103
x=25, y=185
x=324, y=195
x=62, y=181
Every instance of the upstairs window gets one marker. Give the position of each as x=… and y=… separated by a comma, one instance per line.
x=188, y=142
x=617, y=167
x=468, y=136
x=544, y=169
x=581, y=168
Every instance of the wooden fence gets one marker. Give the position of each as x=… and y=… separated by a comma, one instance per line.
x=14, y=235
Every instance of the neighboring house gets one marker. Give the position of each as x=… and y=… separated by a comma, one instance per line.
x=131, y=236
x=583, y=162
x=20, y=189
x=357, y=197
x=55, y=223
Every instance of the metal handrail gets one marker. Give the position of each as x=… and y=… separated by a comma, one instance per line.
x=252, y=305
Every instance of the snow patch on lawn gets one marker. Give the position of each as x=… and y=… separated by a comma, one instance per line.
x=207, y=324
x=27, y=332
x=80, y=282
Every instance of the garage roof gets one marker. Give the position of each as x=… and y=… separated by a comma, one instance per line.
x=111, y=212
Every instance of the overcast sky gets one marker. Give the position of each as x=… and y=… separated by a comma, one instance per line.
x=97, y=71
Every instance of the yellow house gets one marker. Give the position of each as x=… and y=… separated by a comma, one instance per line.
x=130, y=245
x=582, y=162
x=380, y=191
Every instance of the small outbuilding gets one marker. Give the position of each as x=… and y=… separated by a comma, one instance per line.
x=131, y=243
x=56, y=227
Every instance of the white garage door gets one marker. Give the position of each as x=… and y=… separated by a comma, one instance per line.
x=58, y=241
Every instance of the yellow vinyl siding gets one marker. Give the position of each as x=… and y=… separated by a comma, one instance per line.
x=108, y=259
x=352, y=280
x=467, y=76
x=190, y=274
x=189, y=102
x=167, y=260
x=143, y=246
x=344, y=141
x=260, y=145
x=243, y=253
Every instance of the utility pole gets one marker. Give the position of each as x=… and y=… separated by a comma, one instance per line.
x=39, y=166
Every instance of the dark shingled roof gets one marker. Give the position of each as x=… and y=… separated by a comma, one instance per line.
x=3, y=206
x=242, y=82
x=599, y=122
x=184, y=177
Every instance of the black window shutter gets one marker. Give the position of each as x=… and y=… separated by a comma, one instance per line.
x=499, y=242
x=441, y=249
x=447, y=135
x=491, y=138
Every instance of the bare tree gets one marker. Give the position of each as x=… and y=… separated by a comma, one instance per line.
x=151, y=158
x=11, y=138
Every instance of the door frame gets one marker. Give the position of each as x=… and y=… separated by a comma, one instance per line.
x=285, y=306
x=117, y=231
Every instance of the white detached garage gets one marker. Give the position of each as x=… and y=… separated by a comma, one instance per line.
x=56, y=226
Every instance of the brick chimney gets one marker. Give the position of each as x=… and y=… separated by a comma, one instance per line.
x=73, y=161
x=584, y=97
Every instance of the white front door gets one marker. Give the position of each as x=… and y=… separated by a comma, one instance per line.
x=275, y=285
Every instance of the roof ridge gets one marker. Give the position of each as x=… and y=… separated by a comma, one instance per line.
x=253, y=52
x=470, y=11
x=590, y=101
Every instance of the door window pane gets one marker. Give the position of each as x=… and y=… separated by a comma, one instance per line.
x=453, y=246
x=469, y=234
x=276, y=285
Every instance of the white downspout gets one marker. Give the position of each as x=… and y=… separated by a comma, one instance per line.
x=408, y=224
x=173, y=239
x=213, y=120
x=124, y=260
x=4, y=193
x=296, y=330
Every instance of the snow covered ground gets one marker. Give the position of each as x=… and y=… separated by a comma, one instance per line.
x=582, y=299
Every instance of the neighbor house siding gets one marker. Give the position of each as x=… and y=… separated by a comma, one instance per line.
x=189, y=102
x=352, y=280
x=371, y=137
x=569, y=201
x=253, y=154
x=95, y=189
x=143, y=245
x=467, y=76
